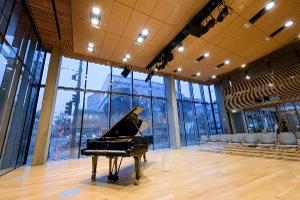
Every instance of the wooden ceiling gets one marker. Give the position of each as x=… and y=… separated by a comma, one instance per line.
x=123, y=20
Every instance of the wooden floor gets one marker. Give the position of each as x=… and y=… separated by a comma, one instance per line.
x=169, y=174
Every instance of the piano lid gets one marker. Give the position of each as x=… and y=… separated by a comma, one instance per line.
x=127, y=126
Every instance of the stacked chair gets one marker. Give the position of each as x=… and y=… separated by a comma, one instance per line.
x=285, y=145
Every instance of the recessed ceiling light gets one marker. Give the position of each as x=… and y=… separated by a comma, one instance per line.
x=180, y=48
x=95, y=21
x=227, y=62
x=145, y=32
x=243, y=65
x=198, y=74
x=125, y=59
x=90, y=49
x=179, y=69
x=127, y=56
x=213, y=76
x=206, y=54
x=96, y=10
x=247, y=77
x=90, y=44
x=140, y=39
x=267, y=39
x=289, y=23
x=270, y=84
x=270, y=5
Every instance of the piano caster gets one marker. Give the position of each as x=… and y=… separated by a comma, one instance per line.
x=93, y=177
x=112, y=178
x=136, y=182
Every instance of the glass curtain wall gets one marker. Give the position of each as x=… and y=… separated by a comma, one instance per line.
x=197, y=111
x=93, y=97
x=21, y=63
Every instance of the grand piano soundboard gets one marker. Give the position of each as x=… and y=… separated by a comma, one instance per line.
x=118, y=142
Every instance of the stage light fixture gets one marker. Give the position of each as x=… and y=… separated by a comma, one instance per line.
x=95, y=21
x=198, y=74
x=127, y=56
x=91, y=47
x=213, y=76
x=227, y=62
x=222, y=15
x=125, y=72
x=243, y=65
x=247, y=77
x=179, y=69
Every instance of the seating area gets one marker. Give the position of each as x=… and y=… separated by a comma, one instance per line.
x=285, y=145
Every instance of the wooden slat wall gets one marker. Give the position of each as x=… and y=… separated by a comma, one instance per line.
x=286, y=86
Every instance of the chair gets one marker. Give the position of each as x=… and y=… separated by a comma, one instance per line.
x=250, y=139
x=297, y=134
x=287, y=140
x=236, y=138
x=203, y=139
x=267, y=140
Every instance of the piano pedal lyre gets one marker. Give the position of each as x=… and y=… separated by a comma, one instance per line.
x=114, y=168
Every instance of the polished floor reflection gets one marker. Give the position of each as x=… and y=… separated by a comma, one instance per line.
x=186, y=173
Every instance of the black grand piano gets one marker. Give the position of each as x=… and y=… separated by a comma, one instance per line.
x=124, y=139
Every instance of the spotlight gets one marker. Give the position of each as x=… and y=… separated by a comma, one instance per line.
x=95, y=21
x=125, y=59
x=270, y=84
x=213, y=76
x=227, y=62
x=145, y=32
x=140, y=39
x=198, y=74
x=91, y=47
x=206, y=54
x=180, y=48
x=247, y=77
x=127, y=56
x=270, y=5
x=209, y=25
x=96, y=11
x=125, y=72
x=224, y=12
x=289, y=23
x=243, y=65
x=179, y=69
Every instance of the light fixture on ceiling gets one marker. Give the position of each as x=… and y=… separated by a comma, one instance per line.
x=206, y=54
x=227, y=62
x=95, y=16
x=126, y=58
x=140, y=39
x=96, y=10
x=243, y=65
x=222, y=15
x=213, y=76
x=270, y=84
x=247, y=76
x=142, y=36
x=270, y=5
x=179, y=69
x=267, y=39
x=91, y=47
x=246, y=25
x=180, y=48
x=145, y=32
x=289, y=23
x=198, y=74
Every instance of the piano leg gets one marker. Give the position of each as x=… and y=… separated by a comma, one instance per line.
x=137, y=162
x=94, y=167
x=145, y=158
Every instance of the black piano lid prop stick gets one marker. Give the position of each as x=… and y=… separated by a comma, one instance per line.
x=121, y=140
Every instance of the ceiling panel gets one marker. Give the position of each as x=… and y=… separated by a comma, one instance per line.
x=123, y=20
